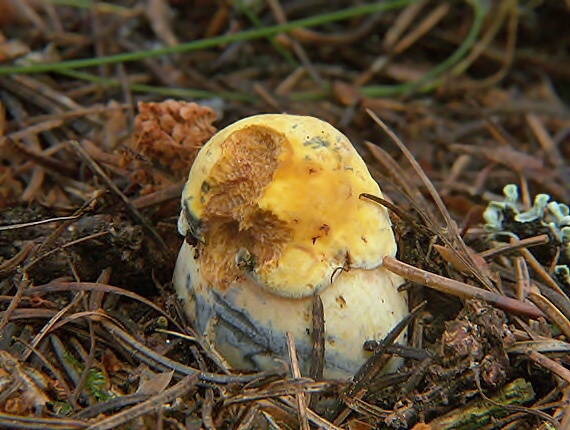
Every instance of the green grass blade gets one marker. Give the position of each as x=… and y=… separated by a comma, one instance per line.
x=211, y=42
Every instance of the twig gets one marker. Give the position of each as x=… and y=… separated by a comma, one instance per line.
x=36, y=223
x=94, y=286
x=35, y=261
x=22, y=287
x=88, y=363
x=487, y=38
x=409, y=187
x=9, y=265
x=524, y=243
x=310, y=36
x=296, y=373
x=552, y=313
x=459, y=289
x=298, y=49
x=400, y=213
x=507, y=57
x=370, y=369
x=318, y=338
x=171, y=192
x=49, y=325
x=86, y=206
x=523, y=278
x=429, y=22
x=545, y=140
x=152, y=358
x=33, y=423
x=54, y=371
x=565, y=421
x=281, y=389
x=187, y=384
x=374, y=364
x=548, y=363
x=428, y=82
x=464, y=255
x=393, y=34
x=137, y=216
x=313, y=417
x=7, y=144
x=402, y=23
x=537, y=267
x=207, y=409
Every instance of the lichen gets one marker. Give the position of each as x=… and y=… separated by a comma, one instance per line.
x=505, y=218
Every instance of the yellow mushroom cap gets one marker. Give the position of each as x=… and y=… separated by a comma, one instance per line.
x=275, y=199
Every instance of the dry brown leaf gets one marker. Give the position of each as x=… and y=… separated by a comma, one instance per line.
x=152, y=383
x=452, y=258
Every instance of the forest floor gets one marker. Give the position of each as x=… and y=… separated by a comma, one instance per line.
x=93, y=158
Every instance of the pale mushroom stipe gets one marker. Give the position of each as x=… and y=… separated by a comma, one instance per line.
x=272, y=215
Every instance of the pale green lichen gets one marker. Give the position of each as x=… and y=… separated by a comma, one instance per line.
x=505, y=218
x=554, y=215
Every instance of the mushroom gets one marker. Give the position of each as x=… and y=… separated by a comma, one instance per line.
x=272, y=216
